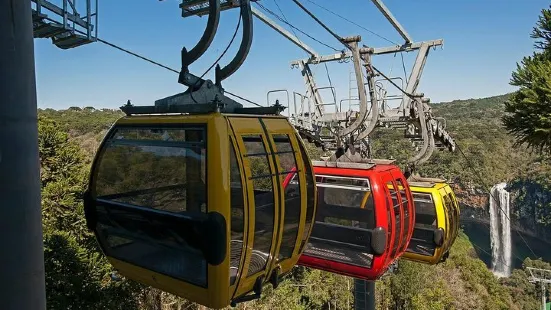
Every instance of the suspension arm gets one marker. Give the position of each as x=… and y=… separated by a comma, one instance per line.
x=189, y=57
x=244, y=48
x=373, y=96
x=361, y=91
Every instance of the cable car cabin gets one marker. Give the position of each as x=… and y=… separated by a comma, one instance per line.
x=363, y=223
x=195, y=205
x=436, y=222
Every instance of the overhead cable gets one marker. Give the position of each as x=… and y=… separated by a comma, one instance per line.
x=294, y=27
x=165, y=67
x=136, y=55
x=339, y=38
x=352, y=22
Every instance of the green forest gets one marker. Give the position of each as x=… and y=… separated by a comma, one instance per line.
x=79, y=277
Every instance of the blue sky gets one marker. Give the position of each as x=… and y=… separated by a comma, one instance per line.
x=483, y=41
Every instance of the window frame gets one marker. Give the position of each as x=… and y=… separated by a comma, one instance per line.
x=98, y=201
x=283, y=174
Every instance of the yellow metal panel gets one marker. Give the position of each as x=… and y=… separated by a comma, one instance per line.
x=247, y=238
x=218, y=176
x=164, y=283
x=167, y=119
x=216, y=294
x=251, y=126
x=310, y=168
x=440, y=220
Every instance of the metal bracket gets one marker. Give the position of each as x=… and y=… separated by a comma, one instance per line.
x=424, y=133
x=206, y=93
x=373, y=96
x=353, y=44
x=188, y=57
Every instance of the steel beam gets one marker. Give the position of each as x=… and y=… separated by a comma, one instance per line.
x=22, y=258
x=364, y=295
x=386, y=12
x=415, y=75
x=284, y=32
x=309, y=81
x=373, y=51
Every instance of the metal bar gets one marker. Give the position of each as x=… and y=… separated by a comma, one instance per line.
x=543, y=295
x=361, y=92
x=22, y=261
x=374, y=51
x=65, y=13
x=309, y=79
x=88, y=13
x=73, y=6
x=339, y=38
x=244, y=47
x=96, y=23
x=364, y=295
x=415, y=75
x=283, y=32
x=374, y=101
x=386, y=12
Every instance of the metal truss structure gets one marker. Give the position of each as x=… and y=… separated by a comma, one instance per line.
x=64, y=22
x=542, y=276
x=339, y=127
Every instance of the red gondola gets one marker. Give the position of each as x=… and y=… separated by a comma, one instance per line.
x=362, y=225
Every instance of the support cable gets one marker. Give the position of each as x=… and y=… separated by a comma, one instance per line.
x=167, y=68
x=286, y=20
x=393, y=83
x=339, y=38
x=294, y=27
x=500, y=258
x=404, y=67
x=136, y=55
x=352, y=22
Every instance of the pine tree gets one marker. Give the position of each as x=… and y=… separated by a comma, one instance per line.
x=528, y=110
x=77, y=274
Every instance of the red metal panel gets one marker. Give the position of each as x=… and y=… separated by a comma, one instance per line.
x=378, y=176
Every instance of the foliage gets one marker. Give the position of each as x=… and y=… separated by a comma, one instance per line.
x=77, y=275
x=527, y=295
x=463, y=282
x=529, y=109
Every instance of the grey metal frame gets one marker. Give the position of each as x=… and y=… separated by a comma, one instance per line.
x=63, y=30
x=543, y=276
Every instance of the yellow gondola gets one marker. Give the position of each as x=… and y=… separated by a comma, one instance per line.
x=195, y=204
x=436, y=222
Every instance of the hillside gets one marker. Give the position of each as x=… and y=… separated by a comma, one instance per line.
x=463, y=282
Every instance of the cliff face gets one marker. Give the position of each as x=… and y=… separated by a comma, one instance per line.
x=531, y=201
x=530, y=207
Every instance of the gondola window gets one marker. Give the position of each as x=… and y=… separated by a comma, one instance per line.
x=310, y=198
x=397, y=215
x=257, y=159
x=148, y=181
x=425, y=225
x=237, y=216
x=287, y=160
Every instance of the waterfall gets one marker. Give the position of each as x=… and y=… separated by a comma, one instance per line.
x=500, y=231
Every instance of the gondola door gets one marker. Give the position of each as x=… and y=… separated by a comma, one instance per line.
x=264, y=195
x=297, y=199
x=396, y=214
